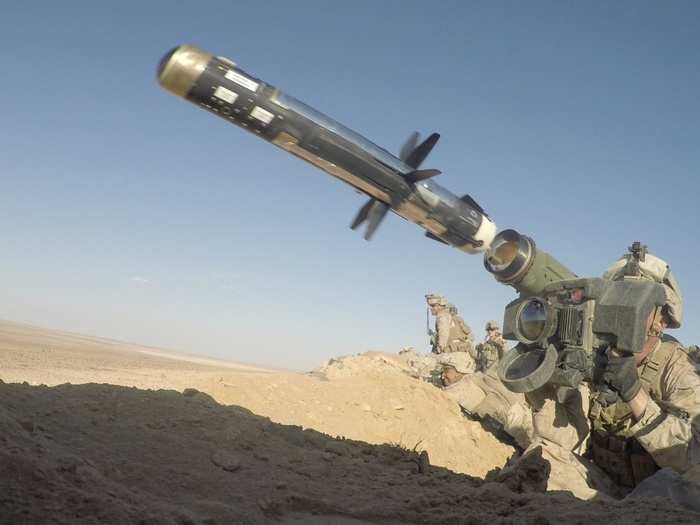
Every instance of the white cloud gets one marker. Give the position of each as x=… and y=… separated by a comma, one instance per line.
x=139, y=280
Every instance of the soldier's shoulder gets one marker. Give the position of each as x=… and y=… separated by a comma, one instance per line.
x=676, y=360
x=682, y=358
x=672, y=346
x=693, y=353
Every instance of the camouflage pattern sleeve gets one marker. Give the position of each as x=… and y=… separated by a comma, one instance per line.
x=442, y=327
x=670, y=428
x=470, y=336
x=475, y=351
x=562, y=424
x=500, y=345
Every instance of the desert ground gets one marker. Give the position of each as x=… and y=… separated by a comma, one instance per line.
x=98, y=431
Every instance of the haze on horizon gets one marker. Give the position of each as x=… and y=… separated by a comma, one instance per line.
x=130, y=214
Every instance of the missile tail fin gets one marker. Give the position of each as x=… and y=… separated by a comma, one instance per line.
x=373, y=211
x=409, y=145
x=418, y=155
x=419, y=175
x=376, y=216
x=434, y=237
x=362, y=214
x=468, y=199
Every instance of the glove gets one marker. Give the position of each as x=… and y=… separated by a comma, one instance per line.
x=620, y=374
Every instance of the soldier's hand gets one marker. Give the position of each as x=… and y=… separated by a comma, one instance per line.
x=620, y=374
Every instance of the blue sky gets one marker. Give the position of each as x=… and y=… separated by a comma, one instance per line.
x=129, y=213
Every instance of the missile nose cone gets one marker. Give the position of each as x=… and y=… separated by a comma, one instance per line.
x=181, y=67
x=164, y=61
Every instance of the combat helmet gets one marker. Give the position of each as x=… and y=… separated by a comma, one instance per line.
x=493, y=325
x=436, y=300
x=460, y=361
x=647, y=266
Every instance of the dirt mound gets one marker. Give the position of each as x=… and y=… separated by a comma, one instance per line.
x=107, y=454
x=110, y=454
x=371, y=398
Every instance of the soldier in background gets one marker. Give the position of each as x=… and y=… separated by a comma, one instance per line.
x=491, y=350
x=451, y=333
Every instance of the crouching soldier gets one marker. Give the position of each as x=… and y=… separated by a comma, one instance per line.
x=482, y=395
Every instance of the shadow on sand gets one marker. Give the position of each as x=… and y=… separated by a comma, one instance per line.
x=108, y=454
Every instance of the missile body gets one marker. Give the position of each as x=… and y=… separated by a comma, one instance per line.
x=219, y=86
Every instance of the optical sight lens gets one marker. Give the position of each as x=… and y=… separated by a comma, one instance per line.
x=532, y=319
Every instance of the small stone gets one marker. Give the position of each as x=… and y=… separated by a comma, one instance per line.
x=190, y=392
x=38, y=475
x=260, y=456
x=68, y=465
x=266, y=504
x=27, y=424
x=423, y=462
x=226, y=461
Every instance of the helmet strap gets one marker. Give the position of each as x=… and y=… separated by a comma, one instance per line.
x=656, y=328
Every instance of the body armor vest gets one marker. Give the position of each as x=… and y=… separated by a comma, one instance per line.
x=460, y=337
x=612, y=446
x=489, y=352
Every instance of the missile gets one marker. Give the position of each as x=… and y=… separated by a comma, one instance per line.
x=393, y=183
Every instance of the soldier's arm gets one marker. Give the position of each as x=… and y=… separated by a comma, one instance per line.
x=474, y=351
x=442, y=326
x=669, y=429
x=501, y=346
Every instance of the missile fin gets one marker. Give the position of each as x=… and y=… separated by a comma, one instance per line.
x=418, y=155
x=419, y=175
x=434, y=237
x=376, y=214
x=468, y=199
x=409, y=145
x=362, y=214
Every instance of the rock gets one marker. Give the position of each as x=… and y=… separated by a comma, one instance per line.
x=528, y=474
x=27, y=424
x=190, y=392
x=667, y=483
x=226, y=461
x=423, y=462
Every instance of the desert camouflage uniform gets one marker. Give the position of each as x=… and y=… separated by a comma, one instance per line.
x=491, y=350
x=562, y=429
x=483, y=395
x=667, y=434
x=452, y=334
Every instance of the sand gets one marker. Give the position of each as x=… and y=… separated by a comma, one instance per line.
x=97, y=431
